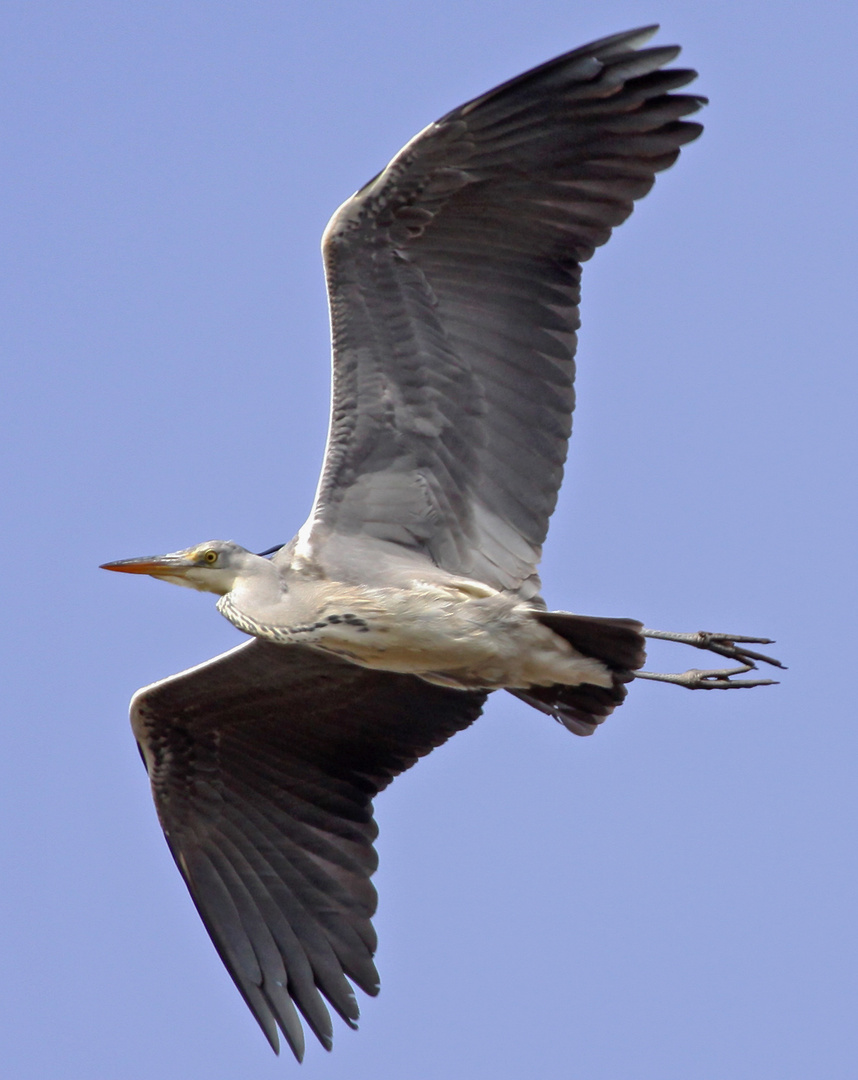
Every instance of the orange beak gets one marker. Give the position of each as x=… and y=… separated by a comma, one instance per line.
x=156, y=565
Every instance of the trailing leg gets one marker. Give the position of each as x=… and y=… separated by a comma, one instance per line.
x=729, y=645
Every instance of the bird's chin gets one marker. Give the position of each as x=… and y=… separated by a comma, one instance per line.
x=199, y=578
x=184, y=580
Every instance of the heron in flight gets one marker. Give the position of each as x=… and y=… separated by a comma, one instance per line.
x=411, y=591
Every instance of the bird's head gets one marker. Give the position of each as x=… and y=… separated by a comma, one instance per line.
x=211, y=567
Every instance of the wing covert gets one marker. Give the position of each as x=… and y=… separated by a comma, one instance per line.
x=263, y=763
x=453, y=282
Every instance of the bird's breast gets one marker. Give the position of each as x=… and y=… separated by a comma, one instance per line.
x=427, y=627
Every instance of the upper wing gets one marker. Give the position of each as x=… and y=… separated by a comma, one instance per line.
x=453, y=280
x=263, y=763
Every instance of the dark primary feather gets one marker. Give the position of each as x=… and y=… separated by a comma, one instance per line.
x=454, y=284
x=263, y=763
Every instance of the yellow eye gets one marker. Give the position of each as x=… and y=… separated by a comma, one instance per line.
x=210, y=557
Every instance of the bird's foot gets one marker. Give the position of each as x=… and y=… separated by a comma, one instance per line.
x=729, y=645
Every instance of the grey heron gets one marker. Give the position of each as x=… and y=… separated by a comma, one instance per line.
x=411, y=592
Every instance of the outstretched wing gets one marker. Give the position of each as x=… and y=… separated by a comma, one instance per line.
x=453, y=280
x=263, y=763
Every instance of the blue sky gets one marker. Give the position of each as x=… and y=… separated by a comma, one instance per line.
x=672, y=899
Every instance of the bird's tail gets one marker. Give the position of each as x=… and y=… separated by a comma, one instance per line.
x=618, y=643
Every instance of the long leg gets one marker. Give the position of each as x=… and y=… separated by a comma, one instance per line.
x=729, y=645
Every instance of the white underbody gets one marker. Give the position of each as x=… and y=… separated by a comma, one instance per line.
x=462, y=634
